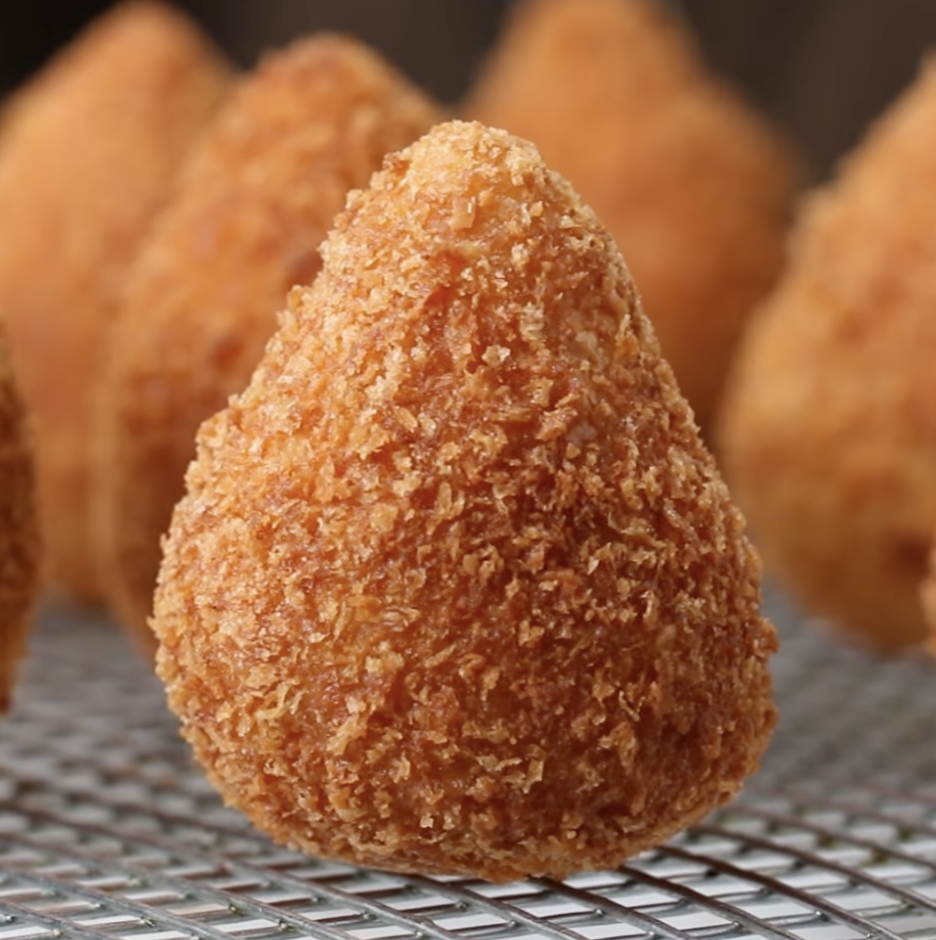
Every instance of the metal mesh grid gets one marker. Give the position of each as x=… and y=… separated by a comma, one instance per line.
x=107, y=830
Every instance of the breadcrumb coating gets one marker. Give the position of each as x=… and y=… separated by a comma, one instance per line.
x=19, y=541
x=693, y=184
x=243, y=226
x=455, y=586
x=828, y=435
x=88, y=149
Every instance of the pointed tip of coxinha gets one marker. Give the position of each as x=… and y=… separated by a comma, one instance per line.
x=455, y=586
x=468, y=223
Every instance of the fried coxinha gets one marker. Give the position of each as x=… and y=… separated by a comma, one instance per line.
x=257, y=196
x=88, y=149
x=828, y=431
x=455, y=587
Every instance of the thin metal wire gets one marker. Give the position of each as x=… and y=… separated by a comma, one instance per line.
x=186, y=889
x=846, y=835
x=853, y=874
x=366, y=907
x=616, y=910
x=56, y=926
x=729, y=911
x=103, y=901
x=807, y=899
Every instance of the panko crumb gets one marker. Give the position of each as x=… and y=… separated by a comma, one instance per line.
x=436, y=609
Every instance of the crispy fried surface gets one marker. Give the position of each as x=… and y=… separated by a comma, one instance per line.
x=88, y=151
x=19, y=543
x=455, y=586
x=242, y=227
x=829, y=429
x=692, y=184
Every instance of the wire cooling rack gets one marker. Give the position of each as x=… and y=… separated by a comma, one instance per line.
x=107, y=830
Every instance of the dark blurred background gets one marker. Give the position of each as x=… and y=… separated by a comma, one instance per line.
x=822, y=68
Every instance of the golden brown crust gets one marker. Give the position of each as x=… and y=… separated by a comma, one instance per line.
x=828, y=435
x=88, y=150
x=19, y=542
x=455, y=586
x=243, y=226
x=694, y=186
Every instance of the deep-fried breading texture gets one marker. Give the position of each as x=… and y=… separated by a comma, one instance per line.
x=829, y=428
x=694, y=186
x=88, y=152
x=19, y=542
x=243, y=226
x=455, y=586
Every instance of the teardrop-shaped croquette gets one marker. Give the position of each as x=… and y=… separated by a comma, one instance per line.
x=19, y=541
x=88, y=150
x=692, y=183
x=455, y=586
x=243, y=226
x=828, y=435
